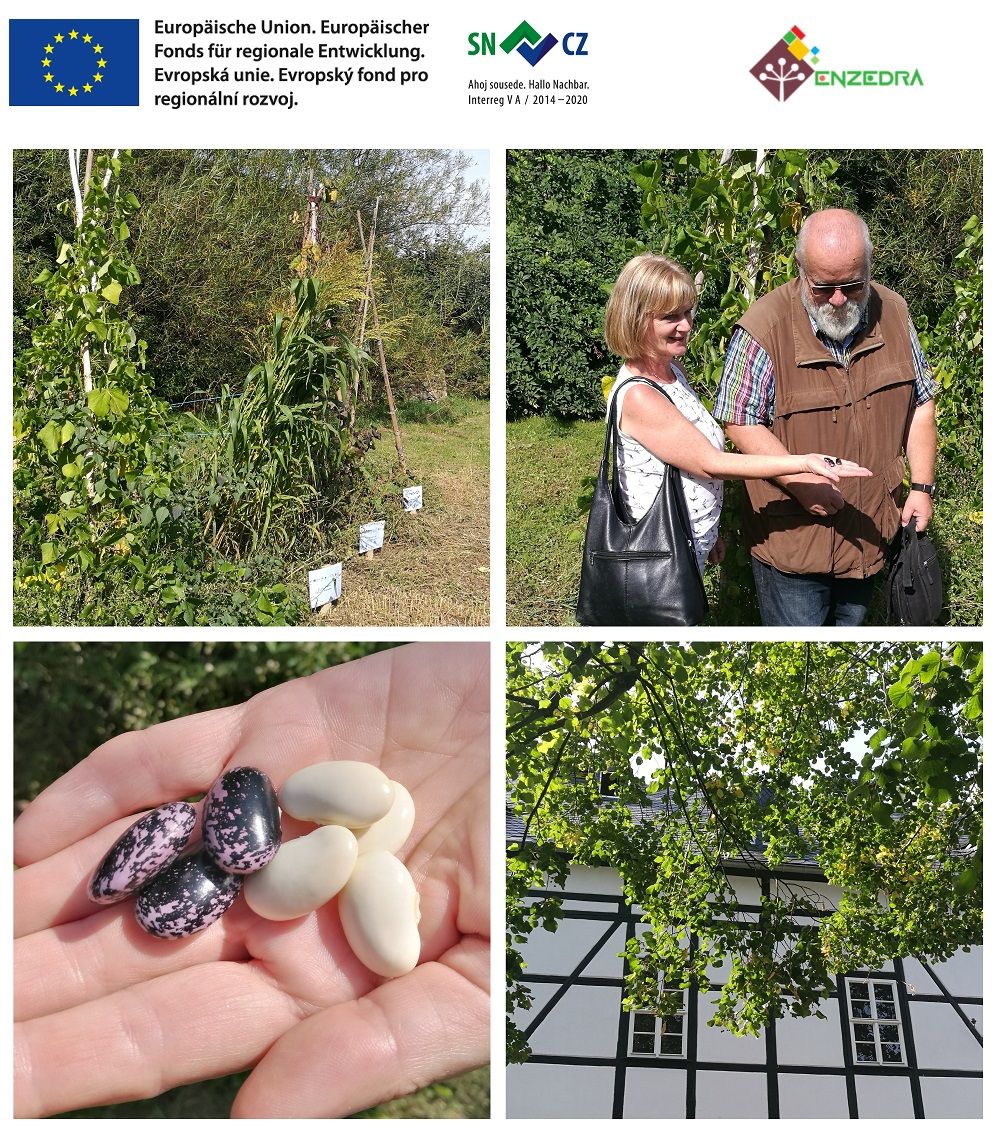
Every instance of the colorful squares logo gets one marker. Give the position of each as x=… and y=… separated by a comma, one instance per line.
x=74, y=62
x=786, y=67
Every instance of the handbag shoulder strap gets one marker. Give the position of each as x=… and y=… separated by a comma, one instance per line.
x=612, y=434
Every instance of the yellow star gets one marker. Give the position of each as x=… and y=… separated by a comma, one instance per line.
x=98, y=49
x=87, y=38
x=46, y=62
x=73, y=92
x=49, y=76
x=74, y=34
x=49, y=49
x=87, y=87
x=102, y=62
x=59, y=38
x=98, y=78
x=60, y=87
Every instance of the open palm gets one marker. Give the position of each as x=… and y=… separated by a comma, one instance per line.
x=106, y=1013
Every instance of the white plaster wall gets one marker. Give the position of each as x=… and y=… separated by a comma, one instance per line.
x=731, y=1095
x=884, y=1097
x=558, y=952
x=584, y=1023
x=719, y=1045
x=584, y=878
x=812, y=1096
x=559, y=1091
x=656, y=1093
x=747, y=890
x=942, y=1039
x=811, y=1041
x=950, y=1098
x=962, y=974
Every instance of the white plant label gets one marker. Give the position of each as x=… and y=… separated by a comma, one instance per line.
x=413, y=498
x=324, y=585
x=372, y=536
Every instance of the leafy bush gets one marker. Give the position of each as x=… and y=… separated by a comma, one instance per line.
x=572, y=217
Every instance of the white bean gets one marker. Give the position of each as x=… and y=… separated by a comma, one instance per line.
x=303, y=875
x=379, y=910
x=343, y=792
x=390, y=833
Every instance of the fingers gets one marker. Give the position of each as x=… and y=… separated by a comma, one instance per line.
x=917, y=503
x=54, y=890
x=427, y=698
x=407, y=1033
x=188, y=1026
x=108, y=952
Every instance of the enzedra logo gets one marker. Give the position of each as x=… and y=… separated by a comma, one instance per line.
x=789, y=65
x=528, y=43
x=784, y=68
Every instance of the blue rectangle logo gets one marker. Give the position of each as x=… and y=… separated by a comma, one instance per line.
x=74, y=62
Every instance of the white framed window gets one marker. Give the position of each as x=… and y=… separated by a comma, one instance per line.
x=875, y=1023
x=655, y=1035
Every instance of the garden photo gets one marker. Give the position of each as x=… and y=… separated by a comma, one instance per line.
x=745, y=880
x=744, y=387
x=251, y=387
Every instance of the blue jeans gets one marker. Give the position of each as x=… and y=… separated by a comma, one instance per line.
x=810, y=599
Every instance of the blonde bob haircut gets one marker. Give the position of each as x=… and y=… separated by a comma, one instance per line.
x=648, y=285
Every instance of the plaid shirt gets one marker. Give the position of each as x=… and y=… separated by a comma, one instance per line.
x=746, y=391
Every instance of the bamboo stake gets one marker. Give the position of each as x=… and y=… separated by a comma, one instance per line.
x=390, y=400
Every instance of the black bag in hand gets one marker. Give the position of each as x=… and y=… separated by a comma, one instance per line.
x=644, y=572
x=914, y=588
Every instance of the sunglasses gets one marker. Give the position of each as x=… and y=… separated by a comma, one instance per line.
x=849, y=290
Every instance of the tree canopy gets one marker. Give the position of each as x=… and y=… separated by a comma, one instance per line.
x=865, y=758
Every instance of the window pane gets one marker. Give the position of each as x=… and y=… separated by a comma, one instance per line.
x=671, y=1047
x=643, y=1043
x=884, y=992
x=885, y=1010
x=861, y=1009
x=891, y=1052
x=864, y=1033
x=673, y=1025
x=864, y=1052
x=859, y=990
x=645, y=1023
x=886, y=1034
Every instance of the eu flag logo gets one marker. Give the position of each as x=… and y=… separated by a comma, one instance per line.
x=74, y=62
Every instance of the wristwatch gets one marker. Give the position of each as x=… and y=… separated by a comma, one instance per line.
x=929, y=488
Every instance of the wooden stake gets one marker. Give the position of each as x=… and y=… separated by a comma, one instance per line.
x=363, y=321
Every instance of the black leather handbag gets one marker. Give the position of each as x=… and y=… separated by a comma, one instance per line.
x=644, y=572
x=914, y=587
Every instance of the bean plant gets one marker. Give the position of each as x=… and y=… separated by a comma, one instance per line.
x=93, y=480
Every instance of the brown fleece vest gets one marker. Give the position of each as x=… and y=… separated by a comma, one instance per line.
x=860, y=412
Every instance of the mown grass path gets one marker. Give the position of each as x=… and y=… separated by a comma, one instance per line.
x=434, y=566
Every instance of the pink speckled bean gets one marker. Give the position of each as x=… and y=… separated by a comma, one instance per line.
x=143, y=851
x=241, y=823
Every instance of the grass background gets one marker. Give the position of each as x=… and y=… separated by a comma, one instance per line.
x=434, y=568
x=551, y=470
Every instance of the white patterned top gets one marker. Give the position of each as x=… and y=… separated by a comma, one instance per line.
x=641, y=473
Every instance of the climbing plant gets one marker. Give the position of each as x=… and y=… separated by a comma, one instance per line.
x=93, y=480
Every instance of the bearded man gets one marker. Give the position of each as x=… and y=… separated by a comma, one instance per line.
x=829, y=362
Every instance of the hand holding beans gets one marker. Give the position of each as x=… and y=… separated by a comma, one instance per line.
x=288, y=995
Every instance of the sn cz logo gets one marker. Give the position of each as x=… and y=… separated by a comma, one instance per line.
x=528, y=43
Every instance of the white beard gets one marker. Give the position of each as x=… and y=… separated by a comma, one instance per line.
x=837, y=323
